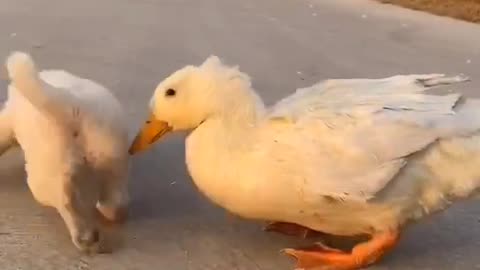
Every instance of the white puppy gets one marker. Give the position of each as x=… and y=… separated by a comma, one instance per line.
x=75, y=142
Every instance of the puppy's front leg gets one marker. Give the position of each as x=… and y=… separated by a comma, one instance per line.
x=114, y=198
x=77, y=208
x=7, y=138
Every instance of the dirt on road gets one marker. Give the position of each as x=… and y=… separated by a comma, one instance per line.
x=467, y=10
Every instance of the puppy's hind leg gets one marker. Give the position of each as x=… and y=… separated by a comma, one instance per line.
x=7, y=137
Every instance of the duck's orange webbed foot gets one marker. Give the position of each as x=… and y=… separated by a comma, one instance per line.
x=291, y=229
x=362, y=255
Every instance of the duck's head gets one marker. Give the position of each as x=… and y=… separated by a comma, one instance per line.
x=188, y=97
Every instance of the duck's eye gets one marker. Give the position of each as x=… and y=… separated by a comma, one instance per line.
x=170, y=92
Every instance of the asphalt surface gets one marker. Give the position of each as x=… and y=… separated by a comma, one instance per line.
x=131, y=45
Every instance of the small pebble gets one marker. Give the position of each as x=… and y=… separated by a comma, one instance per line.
x=364, y=16
x=314, y=14
x=469, y=61
x=13, y=34
x=173, y=183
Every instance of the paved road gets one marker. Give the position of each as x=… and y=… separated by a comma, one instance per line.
x=131, y=45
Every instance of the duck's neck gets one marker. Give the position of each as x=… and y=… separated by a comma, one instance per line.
x=215, y=150
x=237, y=117
x=242, y=113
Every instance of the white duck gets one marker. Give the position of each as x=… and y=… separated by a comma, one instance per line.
x=343, y=157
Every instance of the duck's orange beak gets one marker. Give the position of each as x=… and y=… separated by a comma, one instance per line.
x=151, y=131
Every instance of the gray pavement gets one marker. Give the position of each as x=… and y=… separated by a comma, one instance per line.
x=131, y=45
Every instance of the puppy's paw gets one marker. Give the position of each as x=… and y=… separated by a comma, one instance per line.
x=113, y=215
x=91, y=241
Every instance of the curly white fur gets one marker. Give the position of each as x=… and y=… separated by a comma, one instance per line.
x=75, y=145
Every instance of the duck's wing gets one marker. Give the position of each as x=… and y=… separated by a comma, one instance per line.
x=355, y=135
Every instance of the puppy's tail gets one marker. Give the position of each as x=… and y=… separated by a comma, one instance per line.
x=25, y=79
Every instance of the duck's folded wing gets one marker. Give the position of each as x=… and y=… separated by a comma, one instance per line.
x=353, y=136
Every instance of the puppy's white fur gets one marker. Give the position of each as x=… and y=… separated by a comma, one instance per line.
x=75, y=145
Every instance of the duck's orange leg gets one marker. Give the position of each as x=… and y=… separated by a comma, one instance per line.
x=291, y=229
x=361, y=255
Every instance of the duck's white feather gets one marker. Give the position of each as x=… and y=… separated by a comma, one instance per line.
x=361, y=131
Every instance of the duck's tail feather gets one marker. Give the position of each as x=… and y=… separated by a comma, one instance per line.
x=25, y=79
x=433, y=80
